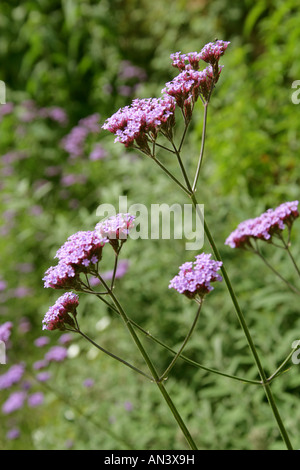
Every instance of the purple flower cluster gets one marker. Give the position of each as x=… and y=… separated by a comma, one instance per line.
x=194, y=278
x=265, y=226
x=140, y=123
x=192, y=83
x=186, y=61
x=58, y=315
x=83, y=250
x=116, y=227
x=189, y=85
x=212, y=51
x=61, y=276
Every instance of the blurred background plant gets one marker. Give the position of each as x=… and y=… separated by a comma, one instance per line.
x=67, y=66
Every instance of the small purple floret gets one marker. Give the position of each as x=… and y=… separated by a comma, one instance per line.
x=194, y=278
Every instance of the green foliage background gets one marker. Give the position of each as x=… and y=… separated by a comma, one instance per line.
x=68, y=53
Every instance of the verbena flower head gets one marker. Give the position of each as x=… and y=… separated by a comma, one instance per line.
x=116, y=227
x=190, y=84
x=212, y=51
x=194, y=277
x=81, y=251
x=265, y=226
x=189, y=61
x=61, y=276
x=58, y=315
x=140, y=122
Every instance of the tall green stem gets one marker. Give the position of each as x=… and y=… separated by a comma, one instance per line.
x=202, y=147
x=290, y=286
x=171, y=365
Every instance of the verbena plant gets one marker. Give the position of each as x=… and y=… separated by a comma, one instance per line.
x=149, y=125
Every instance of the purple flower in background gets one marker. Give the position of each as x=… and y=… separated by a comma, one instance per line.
x=94, y=281
x=12, y=434
x=5, y=331
x=65, y=338
x=56, y=354
x=194, y=278
x=129, y=71
x=88, y=383
x=38, y=365
x=71, y=178
x=121, y=270
x=265, y=226
x=55, y=113
x=22, y=291
x=24, y=325
x=43, y=376
x=58, y=315
x=53, y=170
x=41, y=341
x=91, y=123
x=125, y=90
x=36, y=210
x=36, y=399
x=25, y=267
x=13, y=156
x=128, y=406
x=6, y=108
x=98, y=153
x=12, y=376
x=29, y=111
x=74, y=142
x=14, y=402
